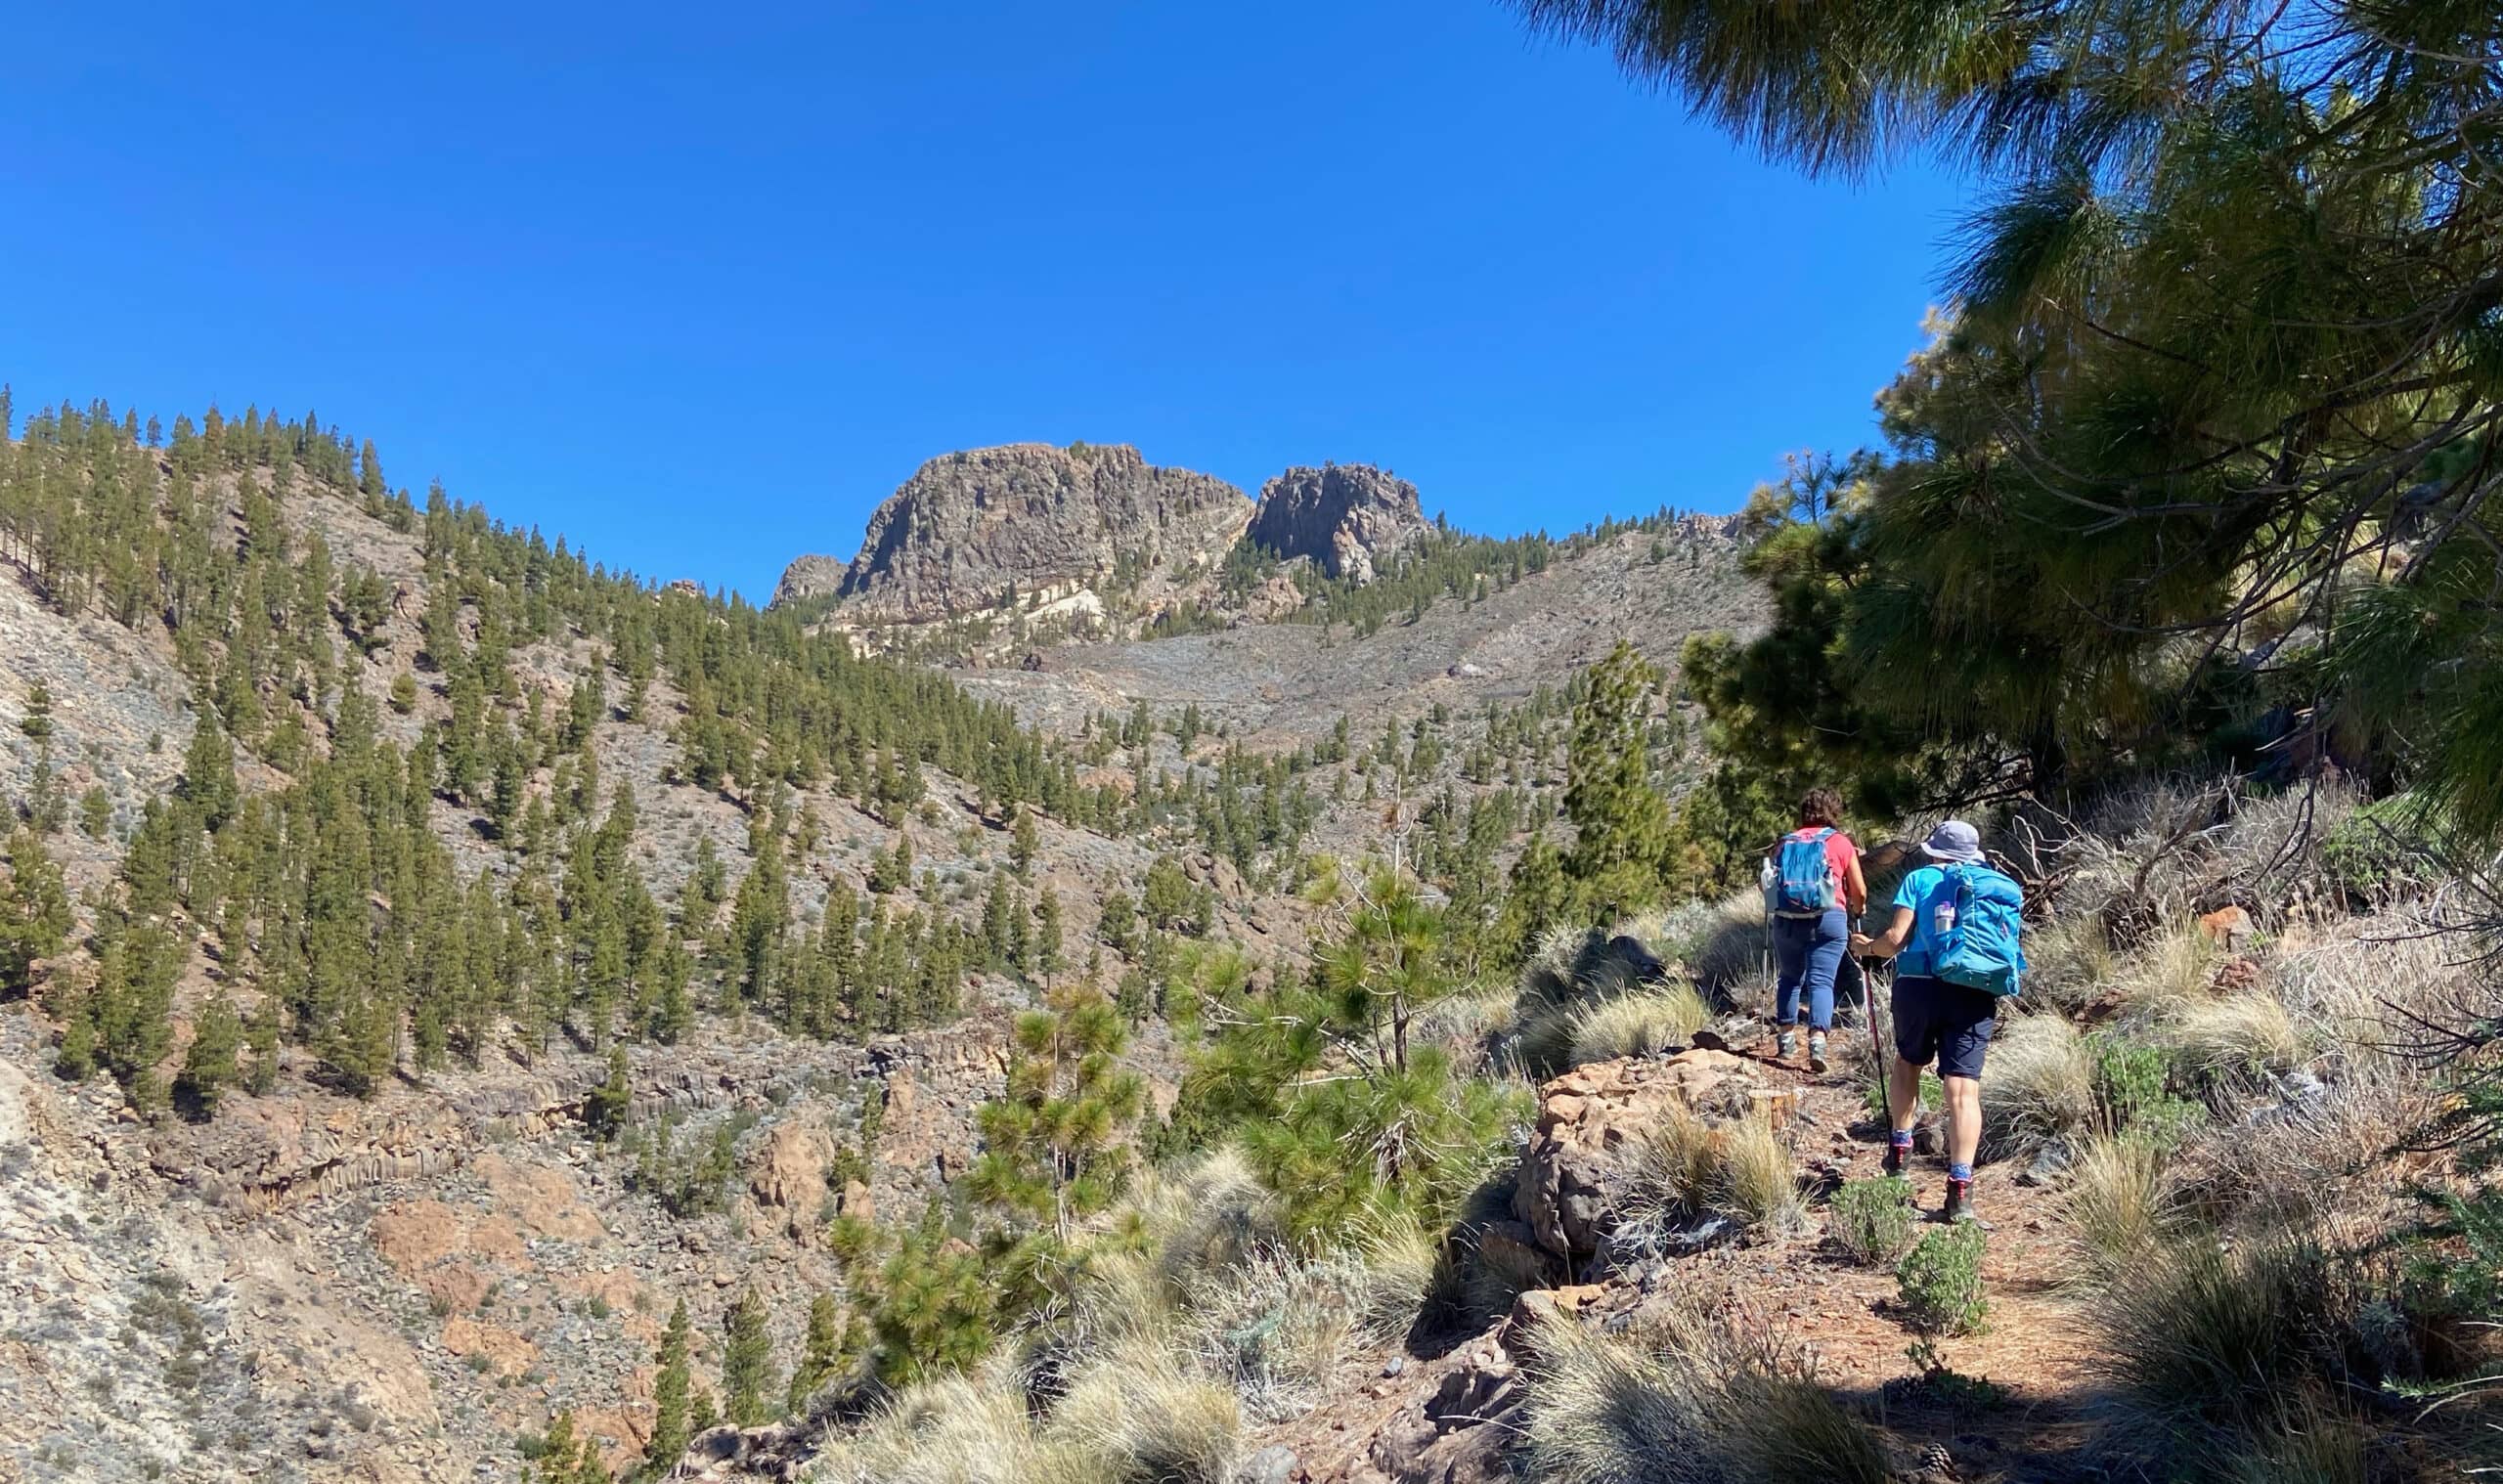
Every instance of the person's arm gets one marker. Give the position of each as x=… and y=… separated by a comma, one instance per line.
x=1888, y=943
x=1855, y=888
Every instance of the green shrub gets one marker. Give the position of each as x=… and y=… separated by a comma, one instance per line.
x=1941, y=1281
x=2383, y=850
x=2134, y=1092
x=1872, y=1219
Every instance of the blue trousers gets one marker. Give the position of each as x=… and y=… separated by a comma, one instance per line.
x=1808, y=951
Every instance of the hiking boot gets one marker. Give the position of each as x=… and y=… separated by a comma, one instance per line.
x=1786, y=1045
x=1960, y=1205
x=1893, y=1163
x=1816, y=1051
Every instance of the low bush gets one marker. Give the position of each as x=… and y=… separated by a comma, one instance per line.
x=2134, y=1091
x=2383, y=851
x=1940, y=1281
x=1872, y=1219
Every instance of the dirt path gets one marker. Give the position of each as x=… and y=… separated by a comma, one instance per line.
x=2039, y=1360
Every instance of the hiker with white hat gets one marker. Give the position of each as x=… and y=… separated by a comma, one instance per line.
x=1955, y=942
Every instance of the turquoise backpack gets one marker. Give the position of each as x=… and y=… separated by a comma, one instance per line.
x=1982, y=951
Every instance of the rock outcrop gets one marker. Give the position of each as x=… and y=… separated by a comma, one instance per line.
x=1344, y=517
x=971, y=529
x=1592, y=1121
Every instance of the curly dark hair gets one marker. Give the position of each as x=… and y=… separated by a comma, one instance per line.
x=1822, y=806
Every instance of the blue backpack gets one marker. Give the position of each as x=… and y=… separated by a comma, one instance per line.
x=1981, y=951
x=1804, y=883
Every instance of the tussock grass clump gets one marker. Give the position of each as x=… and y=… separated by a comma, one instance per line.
x=1939, y=1281
x=1872, y=1219
x=2040, y=1086
x=954, y=1431
x=1759, y=1180
x=1696, y=1399
x=2233, y=1041
x=1688, y=1168
x=2309, y=1446
x=1636, y=1025
x=1279, y=1330
x=2203, y=1338
x=1140, y=1416
x=1722, y=943
x=1677, y=1165
x=2069, y=962
x=2114, y=1200
x=2169, y=972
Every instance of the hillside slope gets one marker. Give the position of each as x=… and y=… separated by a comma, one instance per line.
x=399, y=1235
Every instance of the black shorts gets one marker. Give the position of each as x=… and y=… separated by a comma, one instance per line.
x=1934, y=1018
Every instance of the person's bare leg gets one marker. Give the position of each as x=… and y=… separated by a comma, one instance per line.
x=1903, y=1095
x=1963, y=1119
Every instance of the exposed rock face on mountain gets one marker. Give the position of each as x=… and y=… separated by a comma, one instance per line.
x=1341, y=516
x=972, y=528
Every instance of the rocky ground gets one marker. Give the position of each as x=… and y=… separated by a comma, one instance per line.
x=1449, y=1417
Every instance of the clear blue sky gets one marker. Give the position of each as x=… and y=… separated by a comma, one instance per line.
x=697, y=286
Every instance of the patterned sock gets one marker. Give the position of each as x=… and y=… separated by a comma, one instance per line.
x=1963, y=1172
x=1903, y=1138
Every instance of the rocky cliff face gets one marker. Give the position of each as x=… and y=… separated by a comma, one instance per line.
x=1342, y=516
x=971, y=527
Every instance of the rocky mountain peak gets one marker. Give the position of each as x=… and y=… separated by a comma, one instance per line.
x=971, y=527
x=1340, y=515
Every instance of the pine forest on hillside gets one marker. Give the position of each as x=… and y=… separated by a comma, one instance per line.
x=473, y=1011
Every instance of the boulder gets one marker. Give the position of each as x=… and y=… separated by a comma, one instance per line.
x=1577, y=1173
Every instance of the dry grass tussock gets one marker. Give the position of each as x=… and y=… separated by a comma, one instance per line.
x=1721, y=943
x=1692, y=1398
x=2116, y=1204
x=1636, y=1024
x=1141, y=1415
x=2039, y=1086
x=1284, y=1325
x=1688, y=1168
x=2210, y=1345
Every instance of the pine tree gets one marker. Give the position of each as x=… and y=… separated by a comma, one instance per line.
x=1047, y=943
x=34, y=911
x=1051, y=1152
x=1620, y=821
x=209, y=1063
x=604, y=1110
x=747, y=1362
x=208, y=773
x=1025, y=839
x=672, y=1425
x=821, y=1353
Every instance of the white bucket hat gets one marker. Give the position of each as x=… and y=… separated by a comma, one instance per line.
x=1955, y=842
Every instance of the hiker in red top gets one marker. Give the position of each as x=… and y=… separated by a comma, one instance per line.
x=1815, y=892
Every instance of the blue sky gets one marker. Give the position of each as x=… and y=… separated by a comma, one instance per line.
x=698, y=287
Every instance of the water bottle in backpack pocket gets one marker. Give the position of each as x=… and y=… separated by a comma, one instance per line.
x=1804, y=884
x=1978, y=930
